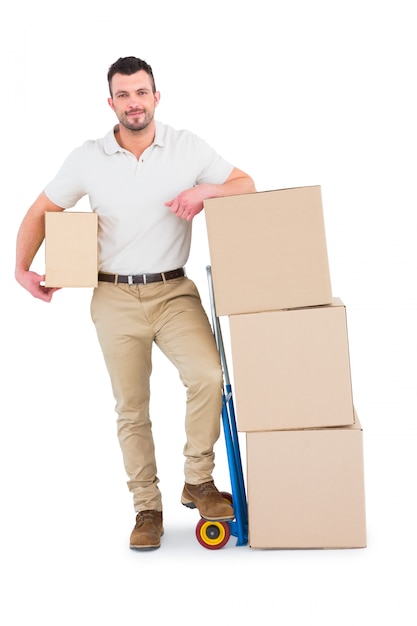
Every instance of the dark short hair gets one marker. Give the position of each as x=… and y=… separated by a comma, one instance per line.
x=128, y=66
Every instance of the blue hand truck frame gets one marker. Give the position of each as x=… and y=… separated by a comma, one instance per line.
x=238, y=527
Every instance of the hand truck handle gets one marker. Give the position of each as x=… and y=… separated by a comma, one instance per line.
x=217, y=328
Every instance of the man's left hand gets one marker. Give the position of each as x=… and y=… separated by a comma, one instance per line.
x=188, y=203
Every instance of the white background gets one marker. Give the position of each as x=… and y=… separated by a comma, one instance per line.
x=295, y=93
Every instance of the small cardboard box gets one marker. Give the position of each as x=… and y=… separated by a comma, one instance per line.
x=291, y=369
x=306, y=488
x=268, y=250
x=71, y=251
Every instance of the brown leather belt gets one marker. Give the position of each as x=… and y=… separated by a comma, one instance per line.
x=141, y=279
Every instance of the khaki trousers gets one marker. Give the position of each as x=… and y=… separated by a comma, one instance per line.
x=128, y=319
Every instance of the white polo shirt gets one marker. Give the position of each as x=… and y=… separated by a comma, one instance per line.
x=138, y=234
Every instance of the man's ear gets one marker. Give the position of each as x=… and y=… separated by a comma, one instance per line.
x=110, y=101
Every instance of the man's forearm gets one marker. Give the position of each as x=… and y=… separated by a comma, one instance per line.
x=191, y=201
x=32, y=232
x=29, y=239
x=233, y=187
x=238, y=183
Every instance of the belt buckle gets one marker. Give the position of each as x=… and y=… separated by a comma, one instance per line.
x=130, y=280
x=144, y=279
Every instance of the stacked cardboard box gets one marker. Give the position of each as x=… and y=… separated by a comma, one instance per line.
x=291, y=369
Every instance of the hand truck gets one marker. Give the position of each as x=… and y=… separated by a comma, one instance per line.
x=215, y=535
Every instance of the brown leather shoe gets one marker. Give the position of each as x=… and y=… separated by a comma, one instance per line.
x=148, y=531
x=208, y=500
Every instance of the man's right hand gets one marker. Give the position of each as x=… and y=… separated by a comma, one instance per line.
x=31, y=281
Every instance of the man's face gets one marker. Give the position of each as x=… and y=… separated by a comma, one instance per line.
x=133, y=100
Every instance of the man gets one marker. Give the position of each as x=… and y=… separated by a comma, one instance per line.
x=146, y=181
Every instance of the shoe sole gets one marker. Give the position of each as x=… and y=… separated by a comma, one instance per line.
x=145, y=548
x=192, y=505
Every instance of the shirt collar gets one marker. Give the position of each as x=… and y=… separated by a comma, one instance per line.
x=111, y=146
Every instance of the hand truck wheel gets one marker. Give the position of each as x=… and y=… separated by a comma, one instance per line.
x=212, y=535
x=227, y=496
